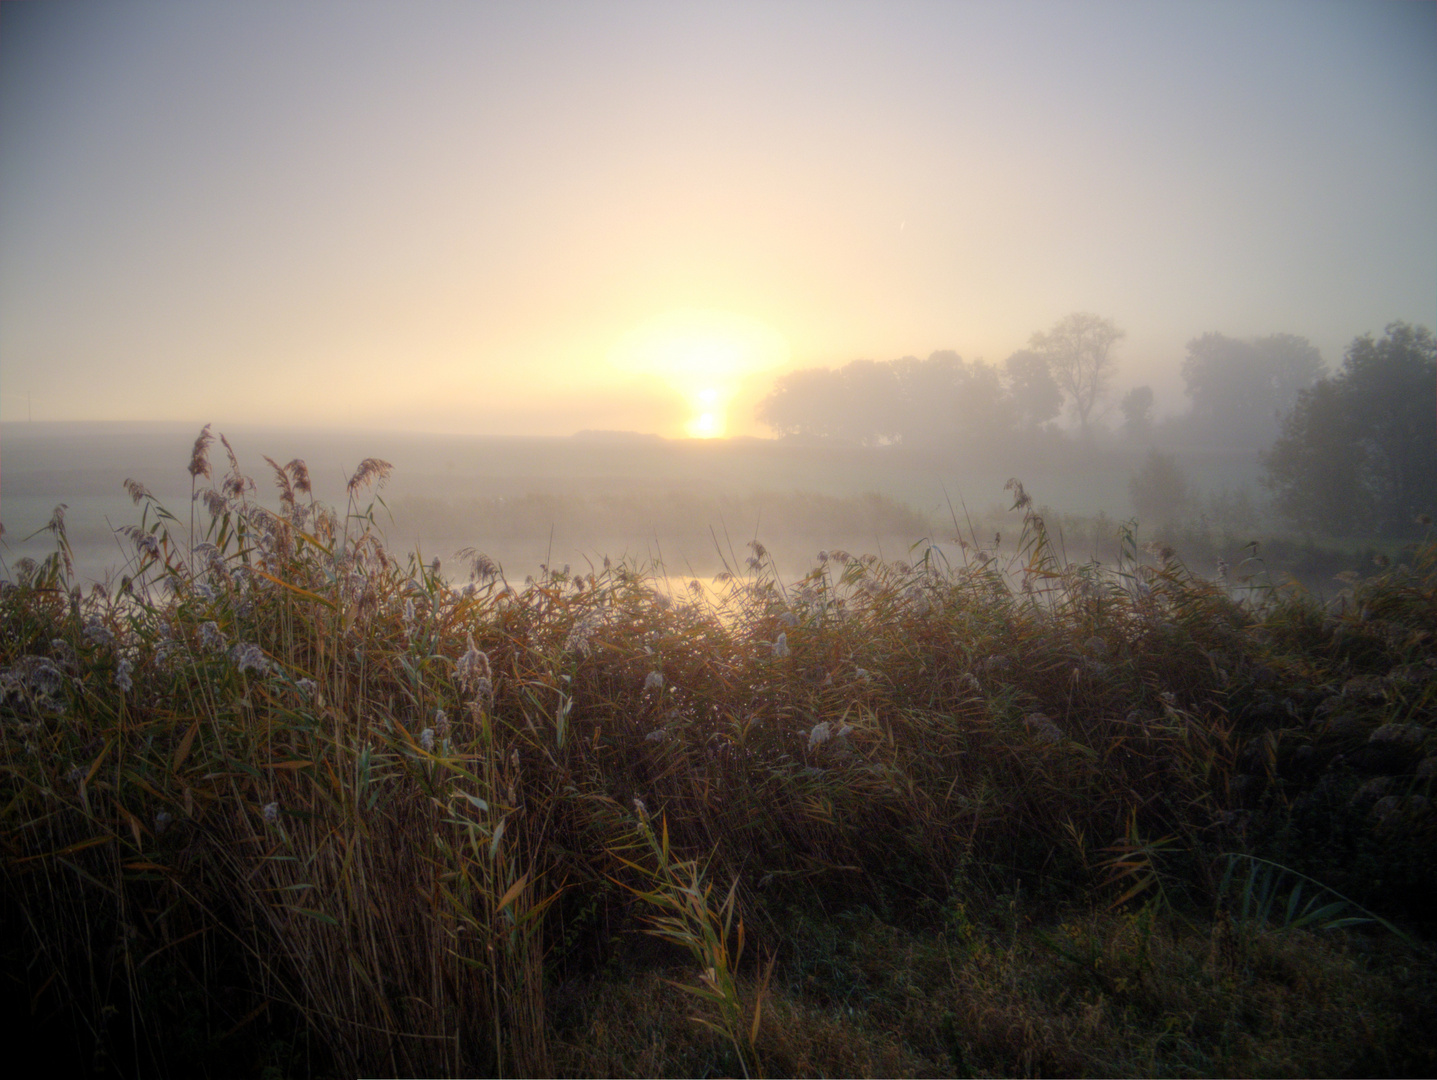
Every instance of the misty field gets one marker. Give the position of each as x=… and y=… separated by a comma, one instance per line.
x=280, y=800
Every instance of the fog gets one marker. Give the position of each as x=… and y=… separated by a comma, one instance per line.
x=873, y=457
x=497, y=219
x=654, y=280
x=677, y=507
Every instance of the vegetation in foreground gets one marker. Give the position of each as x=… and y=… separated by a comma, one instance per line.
x=281, y=804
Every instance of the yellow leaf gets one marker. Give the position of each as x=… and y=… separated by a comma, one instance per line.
x=513, y=892
x=96, y=766
x=296, y=589
x=80, y=845
x=183, y=750
x=134, y=826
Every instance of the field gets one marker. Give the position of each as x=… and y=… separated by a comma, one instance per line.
x=284, y=799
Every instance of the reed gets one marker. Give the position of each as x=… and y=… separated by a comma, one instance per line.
x=413, y=819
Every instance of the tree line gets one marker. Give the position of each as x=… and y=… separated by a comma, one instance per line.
x=946, y=399
x=1357, y=453
x=1238, y=391
x=1348, y=452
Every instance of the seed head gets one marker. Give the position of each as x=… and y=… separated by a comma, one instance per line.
x=281, y=479
x=122, y=676
x=248, y=656
x=473, y=668
x=97, y=634
x=200, y=455
x=1043, y=728
x=300, y=472
x=370, y=470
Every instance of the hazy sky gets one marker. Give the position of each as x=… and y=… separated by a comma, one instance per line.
x=545, y=217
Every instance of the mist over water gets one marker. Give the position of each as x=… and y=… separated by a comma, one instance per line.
x=871, y=458
x=677, y=509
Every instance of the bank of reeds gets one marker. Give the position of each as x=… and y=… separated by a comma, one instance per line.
x=280, y=790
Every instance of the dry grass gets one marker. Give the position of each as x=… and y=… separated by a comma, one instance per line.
x=326, y=792
x=1102, y=994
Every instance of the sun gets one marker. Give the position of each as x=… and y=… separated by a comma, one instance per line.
x=705, y=356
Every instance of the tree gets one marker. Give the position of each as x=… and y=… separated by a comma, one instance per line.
x=1030, y=384
x=1314, y=477
x=1159, y=490
x=1392, y=388
x=871, y=412
x=933, y=402
x=1240, y=388
x=946, y=399
x=1079, y=352
x=1137, y=406
x=1358, y=451
x=803, y=403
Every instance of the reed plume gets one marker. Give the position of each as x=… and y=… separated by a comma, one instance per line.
x=300, y=473
x=200, y=455
x=370, y=470
x=281, y=478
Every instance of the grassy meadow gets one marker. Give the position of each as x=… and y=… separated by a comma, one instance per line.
x=283, y=799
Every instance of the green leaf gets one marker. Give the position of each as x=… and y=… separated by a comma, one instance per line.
x=498, y=835
x=320, y=916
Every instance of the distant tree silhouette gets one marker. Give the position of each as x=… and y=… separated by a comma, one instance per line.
x=1241, y=388
x=1035, y=396
x=933, y=402
x=1358, y=450
x=1137, y=406
x=946, y=399
x=1312, y=472
x=809, y=404
x=1079, y=352
x=1159, y=490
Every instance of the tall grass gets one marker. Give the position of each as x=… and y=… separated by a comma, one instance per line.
x=284, y=769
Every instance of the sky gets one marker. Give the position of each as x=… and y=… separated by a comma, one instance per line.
x=538, y=218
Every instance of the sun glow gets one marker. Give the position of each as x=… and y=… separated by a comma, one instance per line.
x=705, y=356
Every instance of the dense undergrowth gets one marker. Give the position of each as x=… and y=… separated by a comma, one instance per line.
x=281, y=803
